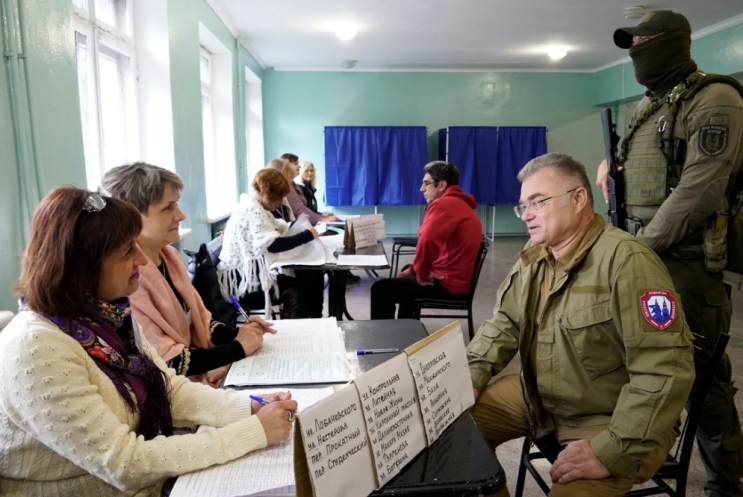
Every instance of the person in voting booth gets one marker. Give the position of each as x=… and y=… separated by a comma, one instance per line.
x=447, y=249
x=167, y=307
x=606, y=354
x=297, y=199
x=88, y=406
x=679, y=196
x=252, y=232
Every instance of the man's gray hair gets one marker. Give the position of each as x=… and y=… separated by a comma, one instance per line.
x=564, y=165
x=140, y=184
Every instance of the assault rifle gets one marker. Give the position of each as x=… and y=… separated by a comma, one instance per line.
x=617, y=211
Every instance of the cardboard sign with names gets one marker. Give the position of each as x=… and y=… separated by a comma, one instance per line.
x=393, y=417
x=442, y=377
x=332, y=457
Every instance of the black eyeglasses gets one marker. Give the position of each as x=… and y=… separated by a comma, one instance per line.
x=429, y=183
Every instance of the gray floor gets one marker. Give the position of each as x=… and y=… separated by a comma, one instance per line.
x=503, y=253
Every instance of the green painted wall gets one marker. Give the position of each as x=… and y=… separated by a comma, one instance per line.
x=50, y=55
x=720, y=52
x=298, y=105
x=183, y=23
x=54, y=92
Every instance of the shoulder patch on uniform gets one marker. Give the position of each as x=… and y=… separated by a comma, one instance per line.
x=659, y=308
x=713, y=139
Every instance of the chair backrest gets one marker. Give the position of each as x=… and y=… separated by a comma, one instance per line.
x=708, y=355
x=484, y=245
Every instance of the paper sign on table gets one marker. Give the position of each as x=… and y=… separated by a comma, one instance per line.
x=442, y=377
x=332, y=455
x=393, y=418
x=364, y=231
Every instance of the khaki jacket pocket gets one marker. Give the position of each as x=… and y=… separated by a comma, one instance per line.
x=591, y=333
x=638, y=407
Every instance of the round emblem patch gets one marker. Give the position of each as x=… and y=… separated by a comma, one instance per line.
x=658, y=308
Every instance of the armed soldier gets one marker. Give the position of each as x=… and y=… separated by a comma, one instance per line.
x=681, y=159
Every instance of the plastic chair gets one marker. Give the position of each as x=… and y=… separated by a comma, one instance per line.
x=708, y=354
x=462, y=304
x=401, y=246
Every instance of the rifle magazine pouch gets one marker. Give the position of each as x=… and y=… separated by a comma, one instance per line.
x=715, y=243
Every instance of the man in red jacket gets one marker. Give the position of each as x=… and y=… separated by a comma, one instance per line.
x=446, y=252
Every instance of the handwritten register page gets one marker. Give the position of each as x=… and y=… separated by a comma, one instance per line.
x=393, y=417
x=336, y=446
x=442, y=377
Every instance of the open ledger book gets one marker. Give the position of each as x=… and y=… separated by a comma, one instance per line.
x=313, y=253
x=268, y=471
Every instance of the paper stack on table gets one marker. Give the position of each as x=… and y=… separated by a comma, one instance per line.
x=307, y=254
x=268, y=471
x=302, y=351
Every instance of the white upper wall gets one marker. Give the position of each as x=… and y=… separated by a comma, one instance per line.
x=447, y=34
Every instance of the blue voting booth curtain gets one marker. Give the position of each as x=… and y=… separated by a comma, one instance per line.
x=473, y=150
x=516, y=147
x=374, y=165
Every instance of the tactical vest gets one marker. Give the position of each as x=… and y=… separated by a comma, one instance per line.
x=650, y=172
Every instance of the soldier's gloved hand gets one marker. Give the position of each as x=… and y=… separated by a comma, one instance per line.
x=602, y=178
x=577, y=461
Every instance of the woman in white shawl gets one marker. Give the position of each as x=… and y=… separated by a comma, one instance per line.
x=252, y=233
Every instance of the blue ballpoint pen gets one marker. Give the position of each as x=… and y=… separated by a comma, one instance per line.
x=266, y=402
x=377, y=351
x=240, y=309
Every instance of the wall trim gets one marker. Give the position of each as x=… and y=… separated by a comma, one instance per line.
x=319, y=69
x=235, y=33
x=727, y=23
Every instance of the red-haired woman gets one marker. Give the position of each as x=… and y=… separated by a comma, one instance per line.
x=88, y=408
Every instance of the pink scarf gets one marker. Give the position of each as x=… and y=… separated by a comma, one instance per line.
x=161, y=317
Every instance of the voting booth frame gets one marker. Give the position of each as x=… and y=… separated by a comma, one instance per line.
x=359, y=438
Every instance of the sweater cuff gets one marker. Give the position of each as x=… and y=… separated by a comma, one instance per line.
x=240, y=407
x=252, y=435
x=609, y=449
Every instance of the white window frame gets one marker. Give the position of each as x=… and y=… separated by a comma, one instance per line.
x=101, y=38
x=221, y=186
x=255, y=154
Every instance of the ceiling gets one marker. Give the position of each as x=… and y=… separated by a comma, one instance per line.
x=447, y=34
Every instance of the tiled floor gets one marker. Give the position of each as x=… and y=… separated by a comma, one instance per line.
x=503, y=253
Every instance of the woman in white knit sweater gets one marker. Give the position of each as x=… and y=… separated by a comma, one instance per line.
x=88, y=408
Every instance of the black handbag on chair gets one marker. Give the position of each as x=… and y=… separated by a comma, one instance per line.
x=202, y=269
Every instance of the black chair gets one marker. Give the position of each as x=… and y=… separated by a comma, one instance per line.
x=202, y=270
x=401, y=246
x=708, y=354
x=461, y=304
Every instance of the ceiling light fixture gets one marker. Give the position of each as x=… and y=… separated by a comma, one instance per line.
x=556, y=53
x=345, y=33
x=635, y=12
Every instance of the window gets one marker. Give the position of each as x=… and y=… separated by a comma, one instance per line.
x=207, y=117
x=254, y=123
x=106, y=79
x=217, y=112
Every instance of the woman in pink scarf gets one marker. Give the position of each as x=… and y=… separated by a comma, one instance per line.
x=166, y=306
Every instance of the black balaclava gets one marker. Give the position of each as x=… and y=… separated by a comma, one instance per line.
x=663, y=62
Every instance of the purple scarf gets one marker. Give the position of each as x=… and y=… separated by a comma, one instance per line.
x=107, y=335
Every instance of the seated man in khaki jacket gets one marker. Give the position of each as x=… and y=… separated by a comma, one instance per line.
x=605, y=350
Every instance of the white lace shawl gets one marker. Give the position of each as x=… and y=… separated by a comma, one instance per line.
x=245, y=261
